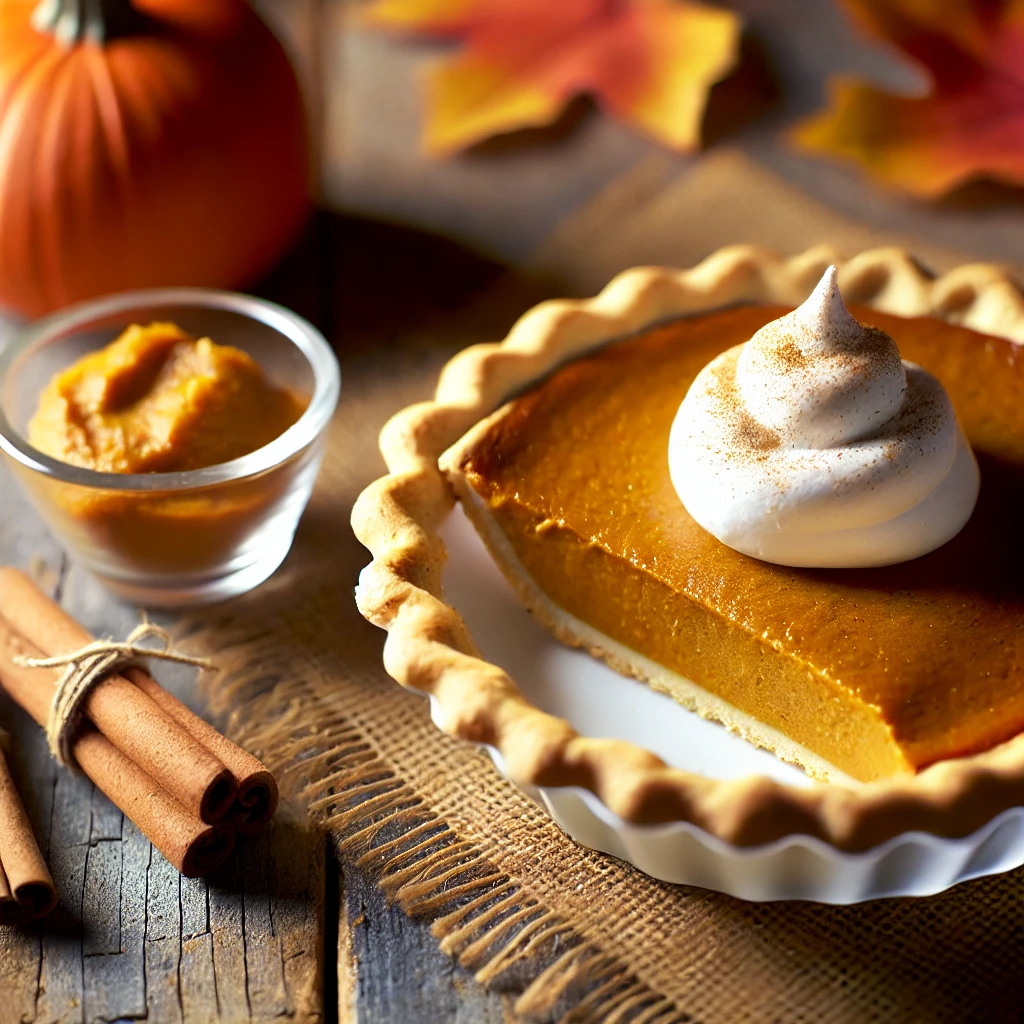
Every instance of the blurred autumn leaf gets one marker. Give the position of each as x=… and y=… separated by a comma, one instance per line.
x=971, y=123
x=648, y=62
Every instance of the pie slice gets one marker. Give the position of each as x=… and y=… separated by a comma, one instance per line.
x=851, y=673
x=555, y=439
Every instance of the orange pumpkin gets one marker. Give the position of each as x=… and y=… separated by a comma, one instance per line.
x=143, y=143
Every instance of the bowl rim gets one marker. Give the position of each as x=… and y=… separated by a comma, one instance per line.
x=303, y=335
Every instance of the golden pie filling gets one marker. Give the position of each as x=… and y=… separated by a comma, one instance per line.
x=876, y=671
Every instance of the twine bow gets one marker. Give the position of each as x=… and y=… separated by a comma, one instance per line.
x=91, y=664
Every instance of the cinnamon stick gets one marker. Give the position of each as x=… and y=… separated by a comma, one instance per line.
x=6, y=898
x=189, y=844
x=256, y=798
x=143, y=732
x=26, y=888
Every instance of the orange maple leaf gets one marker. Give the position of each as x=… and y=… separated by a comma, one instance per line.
x=971, y=123
x=649, y=62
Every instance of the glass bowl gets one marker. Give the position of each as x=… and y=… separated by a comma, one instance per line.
x=174, y=539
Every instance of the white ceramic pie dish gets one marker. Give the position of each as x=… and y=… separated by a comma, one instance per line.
x=599, y=702
x=553, y=721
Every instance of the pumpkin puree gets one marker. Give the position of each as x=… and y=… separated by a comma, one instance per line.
x=157, y=400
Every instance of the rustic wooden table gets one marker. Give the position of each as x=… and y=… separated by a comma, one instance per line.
x=288, y=928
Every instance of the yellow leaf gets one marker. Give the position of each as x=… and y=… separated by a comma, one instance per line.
x=471, y=99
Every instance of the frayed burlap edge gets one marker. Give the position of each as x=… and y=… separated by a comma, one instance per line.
x=488, y=921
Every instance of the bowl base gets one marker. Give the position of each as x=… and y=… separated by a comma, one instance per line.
x=173, y=591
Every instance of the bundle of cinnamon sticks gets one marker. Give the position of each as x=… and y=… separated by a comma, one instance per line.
x=188, y=788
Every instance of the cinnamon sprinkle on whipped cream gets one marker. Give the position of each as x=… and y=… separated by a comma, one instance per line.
x=814, y=444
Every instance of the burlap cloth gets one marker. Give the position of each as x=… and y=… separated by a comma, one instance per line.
x=580, y=935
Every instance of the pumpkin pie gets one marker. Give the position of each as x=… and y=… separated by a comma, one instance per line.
x=902, y=685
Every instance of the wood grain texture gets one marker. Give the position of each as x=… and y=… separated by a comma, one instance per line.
x=131, y=938
x=413, y=979
x=284, y=930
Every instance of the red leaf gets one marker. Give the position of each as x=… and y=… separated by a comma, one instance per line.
x=971, y=123
x=649, y=62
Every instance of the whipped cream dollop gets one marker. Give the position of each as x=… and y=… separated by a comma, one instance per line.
x=814, y=444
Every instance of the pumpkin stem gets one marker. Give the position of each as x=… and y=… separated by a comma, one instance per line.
x=94, y=21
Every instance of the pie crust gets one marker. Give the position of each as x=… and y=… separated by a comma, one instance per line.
x=429, y=648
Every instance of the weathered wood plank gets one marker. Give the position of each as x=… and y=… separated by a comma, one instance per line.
x=107, y=820
x=298, y=855
x=163, y=941
x=195, y=908
x=19, y=965
x=115, y=982
x=403, y=975
x=101, y=898
x=198, y=978
x=265, y=965
x=227, y=927
x=198, y=983
x=61, y=982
